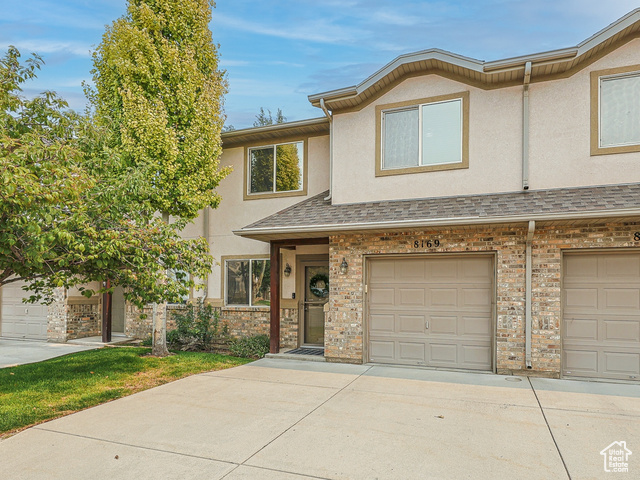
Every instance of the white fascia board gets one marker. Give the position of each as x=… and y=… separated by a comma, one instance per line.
x=609, y=31
x=275, y=127
x=437, y=222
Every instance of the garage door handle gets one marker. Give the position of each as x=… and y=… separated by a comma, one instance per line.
x=426, y=324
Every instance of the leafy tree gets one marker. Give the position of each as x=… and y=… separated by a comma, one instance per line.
x=158, y=90
x=67, y=211
x=264, y=118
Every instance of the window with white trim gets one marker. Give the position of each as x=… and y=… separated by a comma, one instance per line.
x=247, y=282
x=427, y=134
x=275, y=168
x=619, y=110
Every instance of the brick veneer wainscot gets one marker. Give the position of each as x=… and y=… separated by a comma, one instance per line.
x=344, y=329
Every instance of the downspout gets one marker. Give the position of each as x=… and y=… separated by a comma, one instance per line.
x=525, y=127
x=330, y=117
x=528, y=295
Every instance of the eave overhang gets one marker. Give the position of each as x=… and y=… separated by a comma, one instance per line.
x=488, y=75
x=270, y=133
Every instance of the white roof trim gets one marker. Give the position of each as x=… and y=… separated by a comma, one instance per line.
x=480, y=65
x=433, y=222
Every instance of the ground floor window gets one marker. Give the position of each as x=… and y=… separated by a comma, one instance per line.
x=247, y=282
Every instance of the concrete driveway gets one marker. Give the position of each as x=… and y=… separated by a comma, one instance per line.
x=19, y=352
x=280, y=419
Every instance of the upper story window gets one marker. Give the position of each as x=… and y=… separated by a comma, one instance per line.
x=423, y=135
x=615, y=110
x=276, y=170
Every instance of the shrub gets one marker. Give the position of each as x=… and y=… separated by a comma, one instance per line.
x=250, y=347
x=197, y=326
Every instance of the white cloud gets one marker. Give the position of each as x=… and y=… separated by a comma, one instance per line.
x=41, y=46
x=317, y=30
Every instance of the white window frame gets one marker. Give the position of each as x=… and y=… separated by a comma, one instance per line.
x=226, y=281
x=274, y=192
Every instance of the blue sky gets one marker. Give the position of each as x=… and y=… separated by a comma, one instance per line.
x=278, y=52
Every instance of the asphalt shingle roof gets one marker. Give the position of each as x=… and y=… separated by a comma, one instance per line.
x=316, y=212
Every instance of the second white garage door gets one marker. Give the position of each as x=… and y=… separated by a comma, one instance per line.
x=434, y=311
x=20, y=320
x=601, y=321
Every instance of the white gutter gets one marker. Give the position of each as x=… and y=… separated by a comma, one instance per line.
x=627, y=212
x=525, y=127
x=330, y=117
x=528, y=295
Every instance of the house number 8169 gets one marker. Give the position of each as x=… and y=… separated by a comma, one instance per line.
x=426, y=243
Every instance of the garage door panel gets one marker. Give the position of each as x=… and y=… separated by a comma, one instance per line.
x=443, y=325
x=580, y=266
x=443, y=297
x=580, y=299
x=382, y=297
x=622, y=331
x=410, y=271
x=412, y=351
x=411, y=296
x=475, y=269
x=453, y=296
x=442, y=354
x=411, y=323
x=581, y=361
x=474, y=325
x=381, y=322
x=442, y=269
x=476, y=356
x=476, y=297
x=382, y=351
x=622, y=266
x=581, y=329
x=622, y=363
x=601, y=324
x=622, y=298
x=382, y=270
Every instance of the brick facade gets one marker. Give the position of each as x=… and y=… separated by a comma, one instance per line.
x=84, y=320
x=345, y=329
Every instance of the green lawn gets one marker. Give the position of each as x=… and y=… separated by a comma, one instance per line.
x=30, y=394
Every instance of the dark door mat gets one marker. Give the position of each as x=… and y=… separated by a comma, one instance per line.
x=307, y=351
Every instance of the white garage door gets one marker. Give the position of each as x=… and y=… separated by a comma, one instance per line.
x=601, y=319
x=431, y=311
x=21, y=320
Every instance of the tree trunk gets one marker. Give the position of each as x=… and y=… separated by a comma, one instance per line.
x=159, y=348
x=160, y=330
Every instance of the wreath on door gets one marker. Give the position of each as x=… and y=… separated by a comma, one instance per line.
x=319, y=285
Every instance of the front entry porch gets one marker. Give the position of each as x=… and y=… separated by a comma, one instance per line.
x=299, y=270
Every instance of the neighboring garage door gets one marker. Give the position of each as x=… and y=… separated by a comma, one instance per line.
x=20, y=320
x=601, y=316
x=431, y=311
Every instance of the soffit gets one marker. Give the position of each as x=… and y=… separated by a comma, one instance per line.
x=274, y=133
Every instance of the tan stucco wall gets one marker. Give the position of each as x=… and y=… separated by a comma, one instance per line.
x=559, y=140
x=560, y=131
x=235, y=213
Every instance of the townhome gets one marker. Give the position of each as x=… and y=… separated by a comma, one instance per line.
x=445, y=212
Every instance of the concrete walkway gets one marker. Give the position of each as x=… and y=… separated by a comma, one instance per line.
x=19, y=352
x=282, y=419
